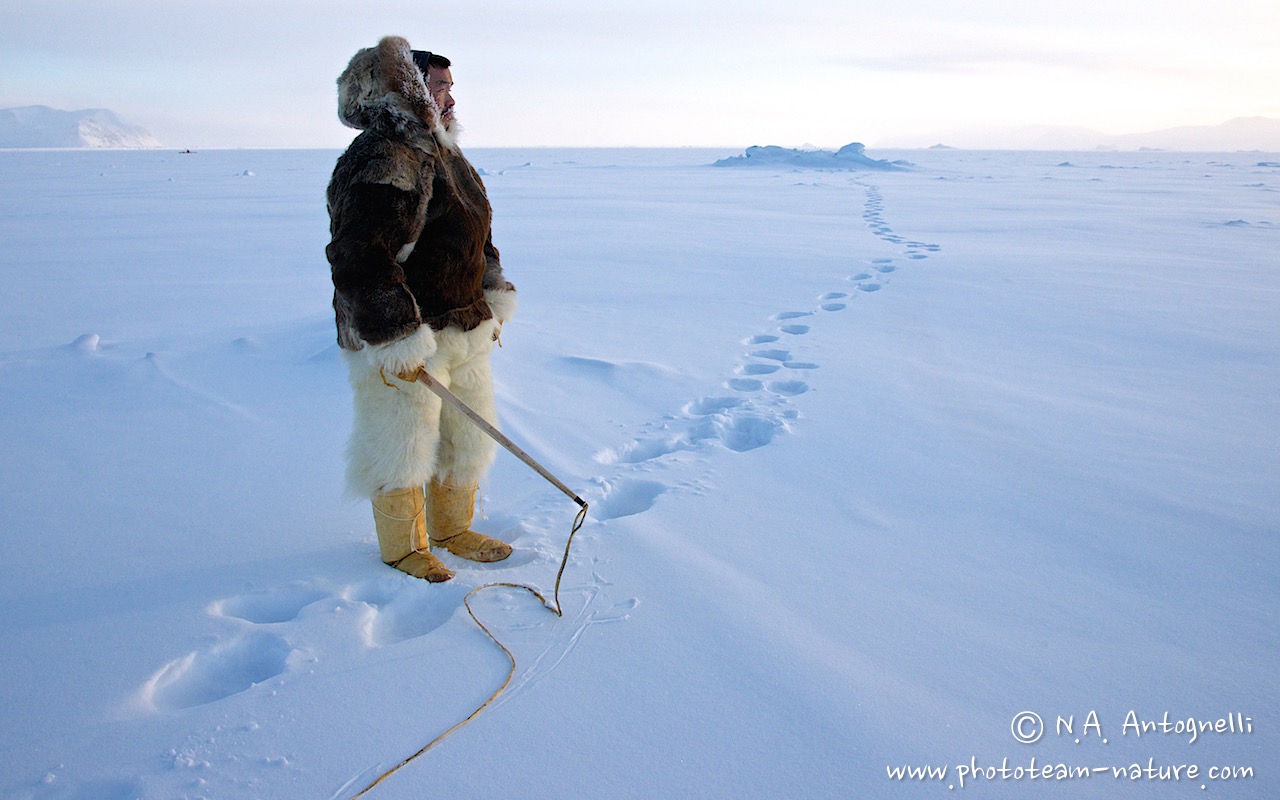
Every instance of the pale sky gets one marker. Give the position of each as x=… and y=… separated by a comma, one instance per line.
x=260, y=73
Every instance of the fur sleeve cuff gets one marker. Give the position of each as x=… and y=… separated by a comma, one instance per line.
x=404, y=354
x=502, y=302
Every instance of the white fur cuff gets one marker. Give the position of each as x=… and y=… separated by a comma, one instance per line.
x=404, y=354
x=502, y=303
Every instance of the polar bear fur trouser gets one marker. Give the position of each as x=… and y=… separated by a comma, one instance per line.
x=403, y=435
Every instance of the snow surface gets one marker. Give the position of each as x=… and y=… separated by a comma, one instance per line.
x=877, y=461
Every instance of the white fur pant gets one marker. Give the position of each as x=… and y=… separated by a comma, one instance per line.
x=403, y=434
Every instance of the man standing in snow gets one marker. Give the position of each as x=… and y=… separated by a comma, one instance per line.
x=417, y=283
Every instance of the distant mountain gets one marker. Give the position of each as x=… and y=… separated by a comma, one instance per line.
x=1242, y=133
x=41, y=126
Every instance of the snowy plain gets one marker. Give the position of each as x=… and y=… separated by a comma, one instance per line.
x=877, y=462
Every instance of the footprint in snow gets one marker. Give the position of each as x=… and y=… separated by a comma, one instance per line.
x=269, y=606
x=833, y=296
x=788, y=388
x=712, y=405
x=396, y=608
x=742, y=432
x=772, y=355
x=403, y=608
x=221, y=671
x=873, y=217
x=626, y=498
x=642, y=450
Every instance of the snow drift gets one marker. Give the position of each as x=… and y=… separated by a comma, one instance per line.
x=851, y=156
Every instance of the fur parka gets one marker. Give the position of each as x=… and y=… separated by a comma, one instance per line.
x=409, y=219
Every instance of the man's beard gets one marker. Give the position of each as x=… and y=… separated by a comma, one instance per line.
x=450, y=130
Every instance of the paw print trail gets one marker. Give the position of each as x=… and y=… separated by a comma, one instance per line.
x=874, y=277
x=762, y=384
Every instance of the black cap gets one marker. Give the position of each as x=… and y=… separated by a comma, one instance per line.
x=421, y=58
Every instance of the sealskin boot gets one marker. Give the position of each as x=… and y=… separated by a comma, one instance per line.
x=449, y=519
x=401, y=521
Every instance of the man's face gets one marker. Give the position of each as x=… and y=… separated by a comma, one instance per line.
x=439, y=84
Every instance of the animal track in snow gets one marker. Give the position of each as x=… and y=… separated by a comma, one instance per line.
x=712, y=405
x=743, y=432
x=642, y=450
x=221, y=671
x=872, y=215
x=788, y=388
x=829, y=305
x=403, y=609
x=625, y=498
x=273, y=605
x=396, y=608
x=758, y=411
x=772, y=355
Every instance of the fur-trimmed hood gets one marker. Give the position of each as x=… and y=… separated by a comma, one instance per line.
x=382, y=89
x=410, y=221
